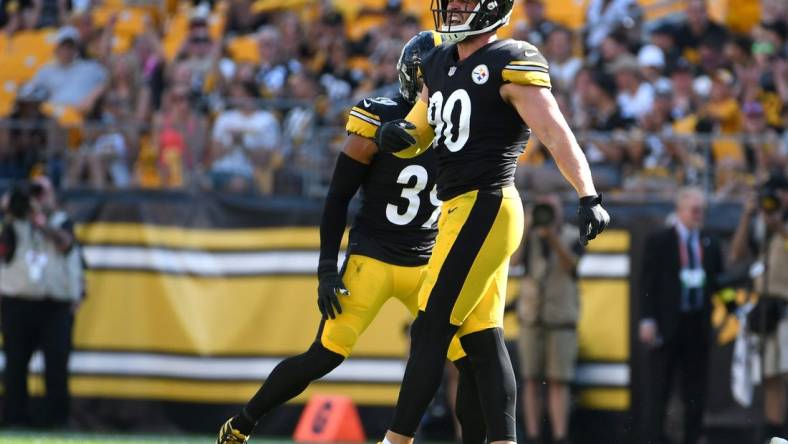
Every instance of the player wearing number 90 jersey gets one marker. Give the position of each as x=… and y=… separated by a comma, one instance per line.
x=390, y=243
x=479, y=99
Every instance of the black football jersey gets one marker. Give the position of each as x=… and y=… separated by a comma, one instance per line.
x=397, y=221
x=479, y=136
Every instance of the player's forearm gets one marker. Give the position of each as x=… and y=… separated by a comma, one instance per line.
x=332, y=227
x=571, y=161
x=348, y=176
x=424, y=133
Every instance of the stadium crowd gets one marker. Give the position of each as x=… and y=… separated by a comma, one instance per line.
x=251, y=96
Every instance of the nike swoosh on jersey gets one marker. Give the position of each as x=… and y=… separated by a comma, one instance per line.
x=366, y=104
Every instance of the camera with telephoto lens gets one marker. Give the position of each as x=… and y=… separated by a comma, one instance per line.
x=543, y=215
x=19, y=206
x=769, y=199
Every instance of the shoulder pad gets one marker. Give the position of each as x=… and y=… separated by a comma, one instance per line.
x=527, y=66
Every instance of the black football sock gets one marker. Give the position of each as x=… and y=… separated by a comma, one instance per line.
x=288, y=379
x=430, y=338
x=469, y=408
x=495, y=381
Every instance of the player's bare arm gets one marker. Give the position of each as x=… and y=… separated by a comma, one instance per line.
x=539, y=110
x=360, y=149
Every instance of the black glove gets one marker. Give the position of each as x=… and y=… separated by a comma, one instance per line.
x=392, y=137
x=329, y=287
x=591, y=218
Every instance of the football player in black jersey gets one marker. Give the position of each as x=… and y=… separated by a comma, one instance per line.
x=480, y=101
x=389, y=245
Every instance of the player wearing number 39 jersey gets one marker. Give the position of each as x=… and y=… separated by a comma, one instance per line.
x=481, y=99
x=390, y=243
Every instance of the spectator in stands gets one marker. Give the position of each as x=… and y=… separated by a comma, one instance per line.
x=273, y=71
x=41, y=283
x=684, y=99
x=241, y=18
x=651, y=61
x=24, y=137
x=680, y=269
x=150, y=58
x=662, y=37
x=200, y=54
x=338, y=79
x=70, y=80
x=538, y=26
x=663, y=158
x=563, y=64
x=549, y=310
x=635, y=97
x=613, y=47
x=722, y=108
x=383, y=72
x=605, y=116
x=51, y=13
x=761, y=143
x=103, y=159
x=605, y=16
x=17, y=15
x=246, y=141
x=292, y=35
x=94, y=42
x=180, y=135
x=697, y=28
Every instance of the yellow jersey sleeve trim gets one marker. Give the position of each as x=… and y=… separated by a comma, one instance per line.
x=361, y=127
x=527, y=78
x=366, y=113
x=424, y=133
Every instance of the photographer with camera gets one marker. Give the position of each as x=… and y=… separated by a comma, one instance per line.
x=763, y=234
x=548, y=309
x=41, y=284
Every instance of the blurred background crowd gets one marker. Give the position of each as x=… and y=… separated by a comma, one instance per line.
x=251, y=96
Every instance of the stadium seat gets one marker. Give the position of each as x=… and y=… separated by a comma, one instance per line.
x=131, y=20
x=570, y=13
x=38, y=43
x=244, y=49
x=657, y=10
x=19, y=67
x=261, y=6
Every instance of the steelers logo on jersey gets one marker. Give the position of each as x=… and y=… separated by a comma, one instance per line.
x=480, y=74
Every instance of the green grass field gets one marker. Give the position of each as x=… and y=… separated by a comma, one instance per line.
x=79, y=438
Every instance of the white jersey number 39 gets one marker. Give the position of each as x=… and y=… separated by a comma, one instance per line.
x=412, y=195
x=440, y=113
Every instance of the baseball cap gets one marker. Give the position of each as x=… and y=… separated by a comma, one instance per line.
x=651, y=56
x=66, y=33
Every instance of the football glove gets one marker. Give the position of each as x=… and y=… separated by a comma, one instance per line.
x=329, y=287
x=591, y=217
x=392, y=137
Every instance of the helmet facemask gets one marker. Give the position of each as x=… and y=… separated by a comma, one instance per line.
x=410, y=80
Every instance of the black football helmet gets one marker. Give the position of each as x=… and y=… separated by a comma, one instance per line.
x=409, y=64
x=486, y=16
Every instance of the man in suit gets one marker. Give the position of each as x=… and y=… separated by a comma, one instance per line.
x=679, y=270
